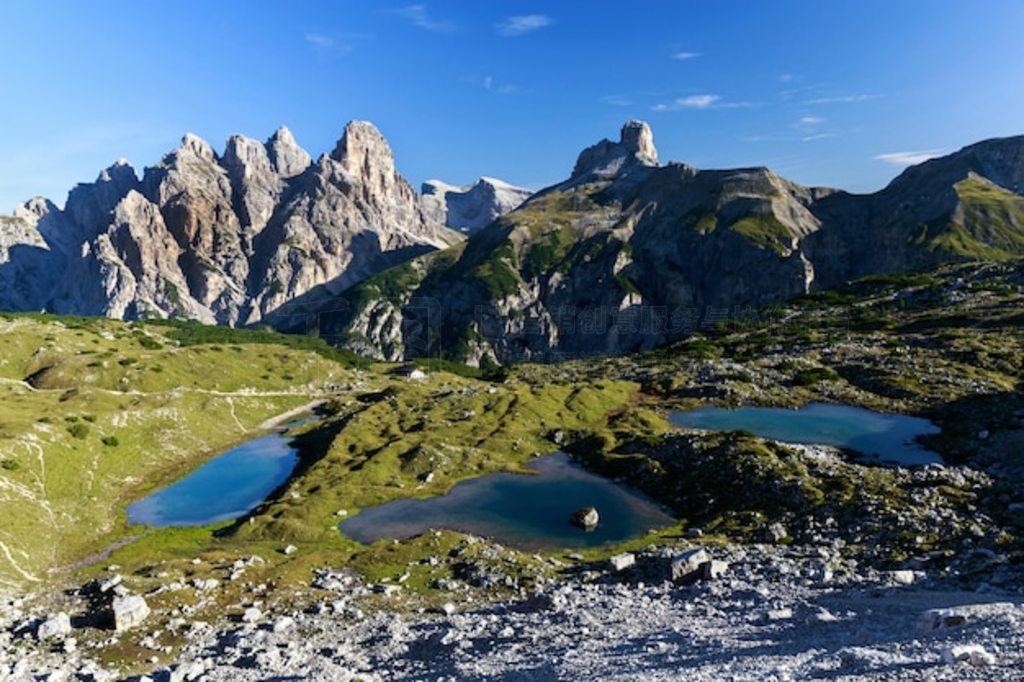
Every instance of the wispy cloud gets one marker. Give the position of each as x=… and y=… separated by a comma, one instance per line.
x=683, y=56
x=690, y=102
x=842, y=99
x=617, y=100
x=809, y=121
x=788, y=137
x=520, y=25
x=701, y=102
x=904, y=159
x=500, y=88
x=787, y=78
x=419, y=17
x=320, y=41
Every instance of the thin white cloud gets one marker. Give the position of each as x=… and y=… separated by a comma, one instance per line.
x=617, y=100
x=683, y=56
x=520, y=25
x=810, y=121
x=418, y=16
x=690, y=102
x=320, y=41
x=842, y=99
x=787, y=78
x=816, y=136
x=904, y=159
x=501, y=88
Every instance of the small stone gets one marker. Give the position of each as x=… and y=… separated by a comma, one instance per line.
x=714, y=569
x=779, y=614
x=108, y=584
x=974, y=654
x=822, y=616
x=206, y=585
x=621, y=562
x=290, y=549
x=341, y=512
x=820, y=571
x=283, y=623
x=56, y=625
x=939, y=619
x=775, y=533
x=389, y=590
x=902, y=577
x=448, y=608
x=251, y=615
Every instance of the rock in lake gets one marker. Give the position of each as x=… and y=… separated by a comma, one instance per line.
x=586, y=518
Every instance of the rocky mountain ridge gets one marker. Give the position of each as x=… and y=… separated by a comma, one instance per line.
x=627, y=254
x=469, y=208
x=223, y=239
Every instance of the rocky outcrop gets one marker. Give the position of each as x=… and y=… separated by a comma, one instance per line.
x=627, y=254
x=606, y=158
x=470, y=208
x=224, y=239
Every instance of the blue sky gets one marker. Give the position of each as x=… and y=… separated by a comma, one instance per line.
x=825, y=92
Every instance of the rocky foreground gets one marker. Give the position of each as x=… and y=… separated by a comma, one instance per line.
x=752, y=613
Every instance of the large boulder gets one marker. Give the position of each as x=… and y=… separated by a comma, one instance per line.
x=688, y=567
x=129, y=611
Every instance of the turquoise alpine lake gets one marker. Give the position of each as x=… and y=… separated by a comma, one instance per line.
x=527, y=511
x=226, y=487
x=874, y=435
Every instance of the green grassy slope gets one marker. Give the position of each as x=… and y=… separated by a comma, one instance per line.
x=109, y=411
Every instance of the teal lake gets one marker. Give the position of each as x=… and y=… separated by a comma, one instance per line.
x=520, y=510
x=874, y=435
x=227, y=487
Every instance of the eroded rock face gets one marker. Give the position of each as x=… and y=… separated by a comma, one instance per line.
x=220, y=238
x=627, y=254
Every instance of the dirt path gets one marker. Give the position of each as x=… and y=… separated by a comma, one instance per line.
x=274, y=422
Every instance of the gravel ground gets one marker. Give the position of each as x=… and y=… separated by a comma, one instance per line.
x=775, y=614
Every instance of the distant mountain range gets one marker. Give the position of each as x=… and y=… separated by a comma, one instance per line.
x=625, y=254
x=229, y=238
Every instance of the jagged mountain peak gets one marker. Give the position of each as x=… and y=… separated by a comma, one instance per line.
x=196, y=145
x=226, y=238
x=246, y=151
x=606, y=158
x=360, y=142
x=121, y=171
x=638, y=139
x=283, y=135
x=286, y=156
